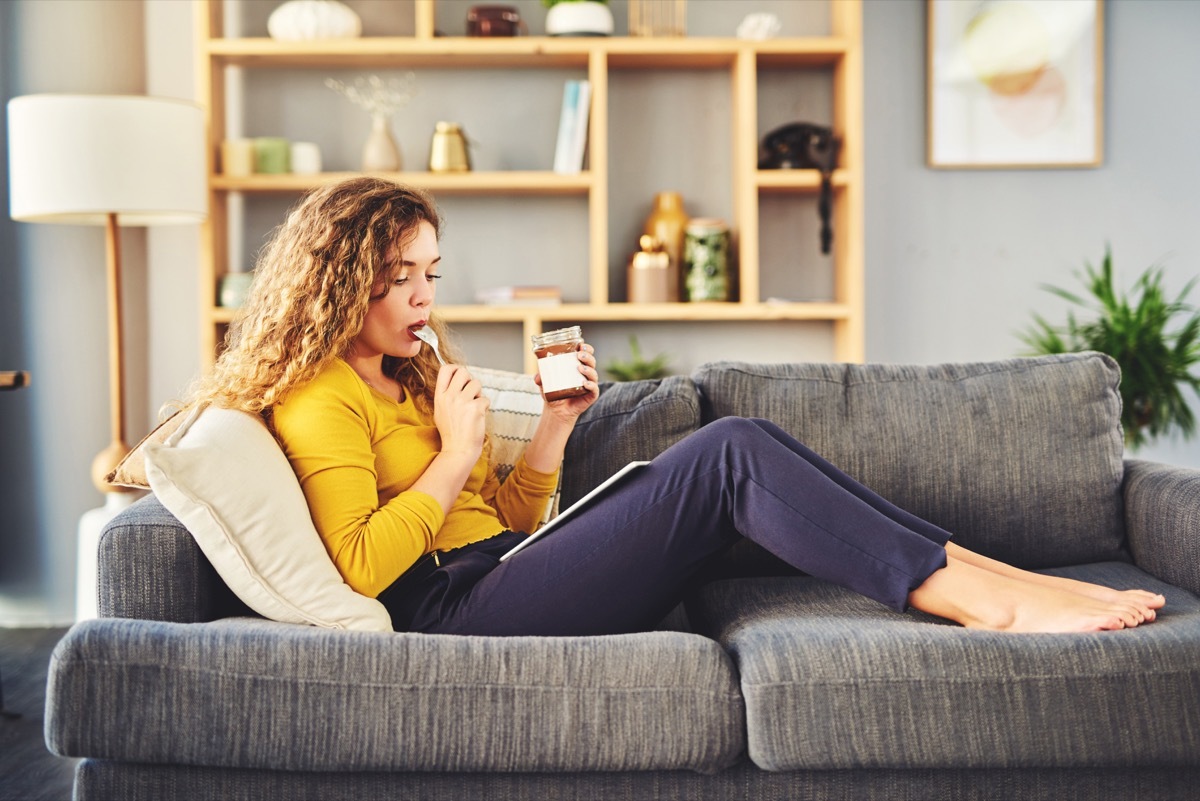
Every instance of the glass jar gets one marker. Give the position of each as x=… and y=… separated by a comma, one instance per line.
x=558, y=364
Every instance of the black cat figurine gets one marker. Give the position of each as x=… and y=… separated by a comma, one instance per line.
x=804, y=146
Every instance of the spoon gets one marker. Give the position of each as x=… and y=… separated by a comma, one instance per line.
x=427, y=335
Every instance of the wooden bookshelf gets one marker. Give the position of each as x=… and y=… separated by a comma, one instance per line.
x=839, y=52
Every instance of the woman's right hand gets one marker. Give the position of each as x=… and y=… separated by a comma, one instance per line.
x=460, y=411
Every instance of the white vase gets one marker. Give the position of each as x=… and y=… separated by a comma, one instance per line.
x=381, y=153
x=579, y=18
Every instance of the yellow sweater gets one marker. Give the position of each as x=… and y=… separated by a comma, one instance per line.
x=356, y=452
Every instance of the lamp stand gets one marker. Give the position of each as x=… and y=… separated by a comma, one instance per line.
x=107, y=460
x=92, y=524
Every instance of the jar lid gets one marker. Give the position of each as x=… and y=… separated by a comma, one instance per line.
x=568, y=334
x=706, y=225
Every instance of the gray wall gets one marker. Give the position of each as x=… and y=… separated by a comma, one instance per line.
x=954, y=258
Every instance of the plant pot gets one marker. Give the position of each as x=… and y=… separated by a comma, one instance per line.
x=579, y=18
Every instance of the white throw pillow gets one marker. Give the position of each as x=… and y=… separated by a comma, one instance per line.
x=226, y=479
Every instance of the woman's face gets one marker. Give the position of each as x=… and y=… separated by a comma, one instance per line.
x=388, y=327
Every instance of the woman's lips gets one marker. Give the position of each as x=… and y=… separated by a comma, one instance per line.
x=412, y=331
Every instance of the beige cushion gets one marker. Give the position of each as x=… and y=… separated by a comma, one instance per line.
x=224, y=476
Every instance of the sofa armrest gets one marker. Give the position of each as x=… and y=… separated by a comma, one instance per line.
x=151, y=569
x=1162, y=520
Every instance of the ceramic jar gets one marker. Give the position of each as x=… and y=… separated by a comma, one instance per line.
x=706, y=256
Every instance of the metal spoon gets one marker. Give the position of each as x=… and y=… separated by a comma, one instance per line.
x=427, y=335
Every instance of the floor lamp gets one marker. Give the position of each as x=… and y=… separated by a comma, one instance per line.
x=112, y=161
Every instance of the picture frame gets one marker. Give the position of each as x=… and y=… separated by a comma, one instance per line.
x=1014, y=84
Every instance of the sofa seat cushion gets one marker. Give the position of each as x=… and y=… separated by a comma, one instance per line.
x=833, y=680
x=253, y=693
x=1020, y=459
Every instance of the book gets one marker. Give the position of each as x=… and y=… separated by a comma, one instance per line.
x=520, y=296
x=573, y=127
x=570, y=511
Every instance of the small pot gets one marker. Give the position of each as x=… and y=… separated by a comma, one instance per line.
x=579, y=18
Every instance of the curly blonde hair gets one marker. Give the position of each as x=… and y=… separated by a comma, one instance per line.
x=313, y=283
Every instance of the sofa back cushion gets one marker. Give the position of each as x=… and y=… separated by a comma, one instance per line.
x=631, y=420
x=1021, y=459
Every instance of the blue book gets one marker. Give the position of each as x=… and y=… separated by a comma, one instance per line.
x=572, y=128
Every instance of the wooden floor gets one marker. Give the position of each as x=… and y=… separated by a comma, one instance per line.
x=28, y=772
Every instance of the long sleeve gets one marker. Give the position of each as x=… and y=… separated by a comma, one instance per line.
x=356, y=453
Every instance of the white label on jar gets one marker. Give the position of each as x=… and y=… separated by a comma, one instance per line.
x=560, y=371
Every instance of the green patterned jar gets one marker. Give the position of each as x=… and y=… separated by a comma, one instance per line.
x=706, y=258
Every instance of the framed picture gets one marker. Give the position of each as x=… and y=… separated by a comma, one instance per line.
x=1015, y=83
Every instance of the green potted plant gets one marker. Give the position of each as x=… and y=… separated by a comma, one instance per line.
x=578, y=18
x=1156, y=342
x=638, y=367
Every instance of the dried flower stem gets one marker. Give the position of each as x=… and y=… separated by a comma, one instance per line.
x=376, y=96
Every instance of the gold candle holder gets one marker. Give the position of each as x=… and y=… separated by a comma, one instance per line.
x=658, y=17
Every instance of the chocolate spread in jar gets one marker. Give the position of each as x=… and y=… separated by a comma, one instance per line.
x=557, y=363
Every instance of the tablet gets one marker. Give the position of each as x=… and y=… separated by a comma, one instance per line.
x=575, y=507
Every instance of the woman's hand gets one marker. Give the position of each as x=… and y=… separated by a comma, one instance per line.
x=545, y=450
x=460, y=414
x=460, y=411
x=567, y=410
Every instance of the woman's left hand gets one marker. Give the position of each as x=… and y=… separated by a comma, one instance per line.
x=568, y=410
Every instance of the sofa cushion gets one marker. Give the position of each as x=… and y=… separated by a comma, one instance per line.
x=834, y=680
x=630, y=421
x=257, y=694
x=1019, y=459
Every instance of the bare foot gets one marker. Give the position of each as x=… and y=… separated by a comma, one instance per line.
x=979, y=598
x=1146, y=602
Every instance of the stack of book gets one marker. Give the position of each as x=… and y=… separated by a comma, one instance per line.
x=573, y=128
x=520, y=296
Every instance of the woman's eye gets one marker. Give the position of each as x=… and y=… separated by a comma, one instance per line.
x=433, y=277
x=400, y=281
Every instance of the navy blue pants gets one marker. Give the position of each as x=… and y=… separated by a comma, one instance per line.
x=626, y=560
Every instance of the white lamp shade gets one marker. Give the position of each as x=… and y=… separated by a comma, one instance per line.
x=78, y=158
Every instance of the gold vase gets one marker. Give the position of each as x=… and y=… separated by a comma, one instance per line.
x=666, y=223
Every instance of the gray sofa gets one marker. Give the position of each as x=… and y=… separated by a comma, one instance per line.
x=764, y=685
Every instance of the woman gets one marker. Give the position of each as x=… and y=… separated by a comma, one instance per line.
x=390, y=450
